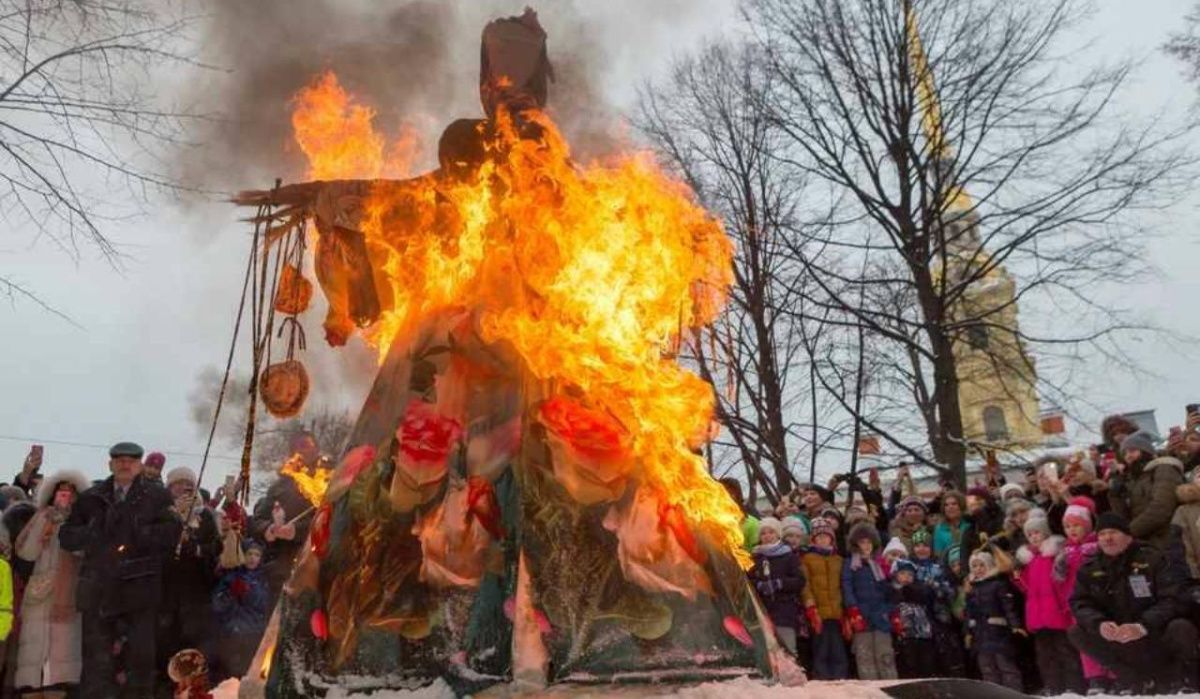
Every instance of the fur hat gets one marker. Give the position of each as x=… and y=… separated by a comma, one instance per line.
x=903, y=564
x=180, y=473
x=796, y=524
x=987, y=559
x=912, y=501
x=770, y=523
x=860, y=531
x=1011, y=490
x=822, y=525
x=1082, y=510
x=45, y=491
x=896, y=546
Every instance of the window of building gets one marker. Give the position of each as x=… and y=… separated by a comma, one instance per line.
x=994, y=424
x=977, y=336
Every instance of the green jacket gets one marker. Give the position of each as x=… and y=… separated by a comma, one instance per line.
x=1145, y=495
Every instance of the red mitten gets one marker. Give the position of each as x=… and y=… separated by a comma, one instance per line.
x=857, y=623
x=897, y=624
x=239, y=588
x=814, y=618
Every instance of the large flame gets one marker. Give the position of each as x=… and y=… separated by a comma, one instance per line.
x=312, y=485
x=591, y=273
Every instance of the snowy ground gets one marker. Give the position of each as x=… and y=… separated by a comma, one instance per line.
x=742, y=688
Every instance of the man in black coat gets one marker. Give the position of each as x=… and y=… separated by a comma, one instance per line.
x=285, y=533
x=124, y=527
x=1126, y=605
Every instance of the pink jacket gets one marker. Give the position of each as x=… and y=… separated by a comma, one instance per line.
x=1072, y=559
x=1046, y=596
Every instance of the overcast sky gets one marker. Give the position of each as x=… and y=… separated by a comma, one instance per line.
x=148, y=329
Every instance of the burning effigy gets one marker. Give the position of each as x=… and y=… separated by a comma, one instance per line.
x=523, y=497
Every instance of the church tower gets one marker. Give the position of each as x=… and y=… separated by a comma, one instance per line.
x=997, y=378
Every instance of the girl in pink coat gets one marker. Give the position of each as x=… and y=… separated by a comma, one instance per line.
x=1047, y=614
x=1078, y=521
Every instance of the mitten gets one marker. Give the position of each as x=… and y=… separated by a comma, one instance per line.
x=814, y=618
x=897, y=623
x=857, y=623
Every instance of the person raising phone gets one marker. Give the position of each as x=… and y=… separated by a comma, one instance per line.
x=30, y=476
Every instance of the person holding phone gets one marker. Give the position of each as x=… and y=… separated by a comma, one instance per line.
x=30, y=476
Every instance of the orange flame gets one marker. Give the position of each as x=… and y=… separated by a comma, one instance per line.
x=591, y=273
x=312, y=485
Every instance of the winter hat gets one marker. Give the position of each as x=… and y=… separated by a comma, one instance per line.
x=904, y=564
x=1015, y=505
x=896, y=546
x=1039, y=524
x=795, y=524
x=1112, y=520
x=1011, y=490
x=860, y=531
x=1082, y=510
x=953, y=555
x=249, y=545
x=156, y=459
x=180, y=473
x=921, y=536
x=980, y=491
x=1141, y=440
x=987, y=559
x=770, y=523
x=912, y=501
x=821, y=525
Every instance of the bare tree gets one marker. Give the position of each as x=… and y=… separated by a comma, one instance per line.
x=971, y=148
x=81, y=117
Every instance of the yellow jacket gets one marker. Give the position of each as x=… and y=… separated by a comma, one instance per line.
x=6, y=599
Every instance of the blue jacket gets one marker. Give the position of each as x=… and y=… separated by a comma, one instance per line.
x=943, y=536
x=248, y=613
x=874, y=598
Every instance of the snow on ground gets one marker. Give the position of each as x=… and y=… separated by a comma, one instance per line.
x=743, y=688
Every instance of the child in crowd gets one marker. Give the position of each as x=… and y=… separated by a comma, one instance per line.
x=947, y=632
x=992, y=621
x=777, y=578
x=240, y=605
x=1080, y=545
x=867, y=596
x=912, y=622
x=1047, y=609
x=795, y=532
x=823, y=601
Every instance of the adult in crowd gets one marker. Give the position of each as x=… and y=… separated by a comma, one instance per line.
x=30, y=476
x=189, y=573
x=985, y=519
x=910, y=516
x=49, y=656
x=279, y=518
x=1127, y=611
x=949, y=532
x=122, y=527
x=1143, y=489
x=1115, y=428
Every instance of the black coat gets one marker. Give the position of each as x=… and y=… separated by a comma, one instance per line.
x=914, y=606
x=783, y=600
x=992, y=613
x=1110, y=589
x=190, y=574
x=123, y=546
x=279, y=556
x=982, y=527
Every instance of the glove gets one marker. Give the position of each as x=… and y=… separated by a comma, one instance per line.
x=897, y=624
x=239, y=588
x=857, y=623
x=814, y=618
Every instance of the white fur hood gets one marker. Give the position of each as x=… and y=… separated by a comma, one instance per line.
x=45, y=491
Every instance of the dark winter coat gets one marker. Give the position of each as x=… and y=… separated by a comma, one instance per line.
x=989, y=522
x=240, y=602
x=823, y=575
x=932, y=573
x=992, y=613
x=190, y=574
x=777, y=578
x=1110, y=589
x=279, y=556
x=914, y=611
x=123, y=546
x=1145, y=495
x=865, y=584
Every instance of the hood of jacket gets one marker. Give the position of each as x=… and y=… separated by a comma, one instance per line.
x=1165, y=461
x=45, y=491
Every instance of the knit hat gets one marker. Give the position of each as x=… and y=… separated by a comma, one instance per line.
x=986, y=558
x=1011, y=490
x=251, y=544
x=921, y=536
x=1081, y=509
x=795, y=524
x=1141, y=440
x=953, y=555
x=1038, y=524
x=155, y=459
x=980, y=491
x=770, y=523
x=904, y=564
x=896, y=546
x=821, y=525
x=1112, y=520
x=180, y=473
x=1016, y=505
x=912, y=501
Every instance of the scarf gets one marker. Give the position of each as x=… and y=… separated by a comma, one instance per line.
x=772, y=550
x=856, y=562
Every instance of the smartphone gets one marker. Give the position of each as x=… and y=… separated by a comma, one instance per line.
x=1050, y=471
x=1192, y=408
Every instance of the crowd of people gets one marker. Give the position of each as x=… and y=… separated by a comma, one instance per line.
x=108, y=587
x=1083, y=578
